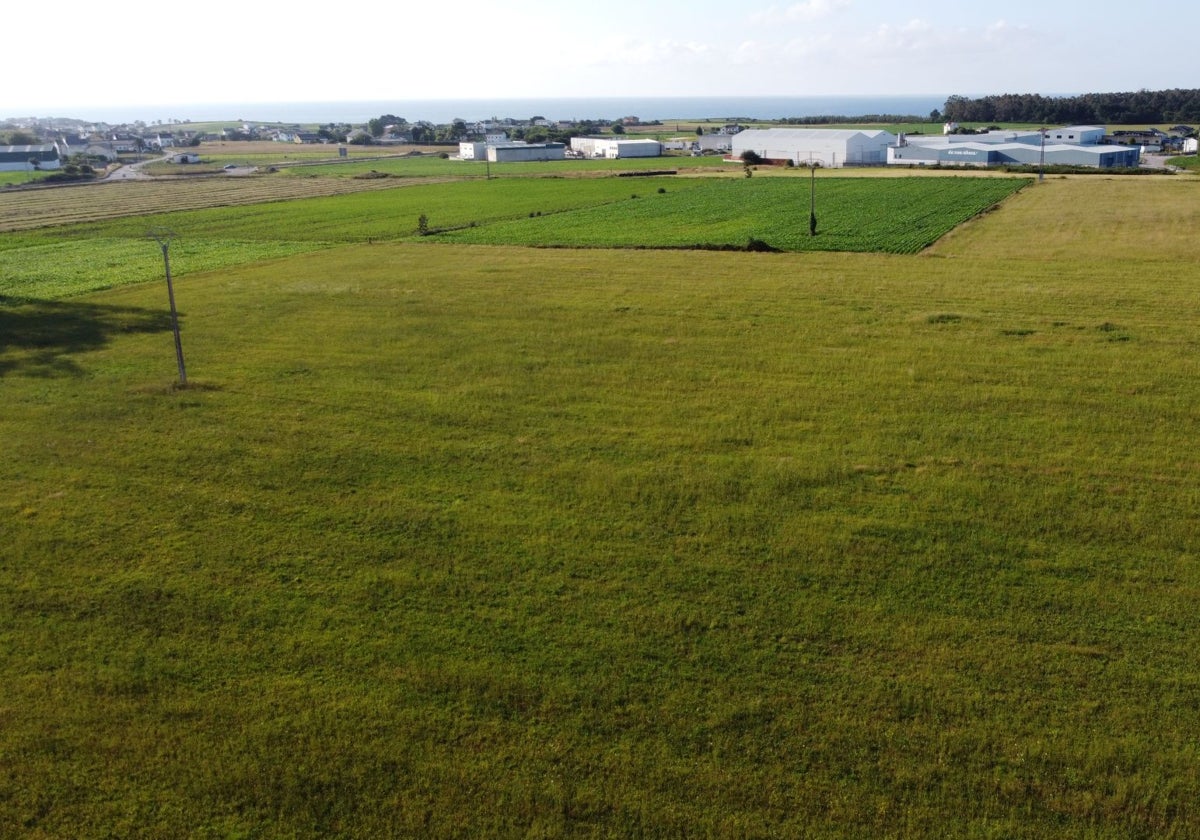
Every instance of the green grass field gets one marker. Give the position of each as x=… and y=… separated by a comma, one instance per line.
x=898, y=215
x=887, y=215
x=457, y=541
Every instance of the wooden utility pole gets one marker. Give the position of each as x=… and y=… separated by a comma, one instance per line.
x=164, y=238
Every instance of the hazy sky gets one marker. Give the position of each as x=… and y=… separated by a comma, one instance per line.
x=245, y=51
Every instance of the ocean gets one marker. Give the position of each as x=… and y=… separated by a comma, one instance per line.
x=441, y=111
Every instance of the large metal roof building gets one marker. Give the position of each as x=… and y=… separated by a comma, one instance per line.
x=828, y=147
x=1024, y=150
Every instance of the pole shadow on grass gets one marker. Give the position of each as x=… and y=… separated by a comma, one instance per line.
x=39, y=337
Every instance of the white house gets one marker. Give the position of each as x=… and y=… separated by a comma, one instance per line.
x=827, y=147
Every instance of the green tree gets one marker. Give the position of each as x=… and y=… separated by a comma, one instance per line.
x=378, y=125
x=618, y=128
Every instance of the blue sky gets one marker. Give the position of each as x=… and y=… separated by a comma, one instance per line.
x=243, y=51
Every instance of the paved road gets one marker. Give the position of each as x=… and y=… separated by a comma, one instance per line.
x=132, y=171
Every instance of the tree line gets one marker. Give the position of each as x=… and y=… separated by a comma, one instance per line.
x=1130, y=108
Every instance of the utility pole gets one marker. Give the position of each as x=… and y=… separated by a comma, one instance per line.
x=1042, y=154
x=164, y=238
x=813, y=163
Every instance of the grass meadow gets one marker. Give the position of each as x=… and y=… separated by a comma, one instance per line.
x=444, y=540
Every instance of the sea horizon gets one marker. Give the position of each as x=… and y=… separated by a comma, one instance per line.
x=439, y=111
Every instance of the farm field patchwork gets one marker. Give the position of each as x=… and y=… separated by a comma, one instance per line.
x=71, y=258
x=30, y=209
x=897, y=215
x=447, y=540
x=854, y=214
x=432, y=165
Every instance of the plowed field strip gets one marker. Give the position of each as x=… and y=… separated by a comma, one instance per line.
x=28, y=209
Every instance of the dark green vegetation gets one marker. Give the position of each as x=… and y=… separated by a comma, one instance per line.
x=891, y=215
x=451, y=541
x=1130, y=107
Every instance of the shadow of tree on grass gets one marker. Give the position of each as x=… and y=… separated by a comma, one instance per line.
x=38, y=337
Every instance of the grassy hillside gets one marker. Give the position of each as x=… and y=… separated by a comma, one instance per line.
x=455, y=541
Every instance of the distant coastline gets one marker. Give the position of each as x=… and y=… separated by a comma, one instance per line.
x=446, y=110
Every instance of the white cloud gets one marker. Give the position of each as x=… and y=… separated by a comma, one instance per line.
x=1002, y=32
x=912, y=36
x=809, y=10
x=634, y=52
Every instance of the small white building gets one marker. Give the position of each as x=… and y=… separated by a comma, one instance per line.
x=1189, y=145
x=472, y=150
x=827, y=147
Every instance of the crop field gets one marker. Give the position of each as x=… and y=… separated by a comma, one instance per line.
x=28, y=209
x=432, y=165
x=855, y=214
x=68, y=259
x=444, y=540
x=7, y=178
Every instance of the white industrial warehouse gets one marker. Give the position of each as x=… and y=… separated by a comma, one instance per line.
x=615, y=148
x=510, y=151
x=825, y=147
x=1071, y=146
x=833, y=148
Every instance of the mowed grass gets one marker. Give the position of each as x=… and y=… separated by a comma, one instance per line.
x=446, y=541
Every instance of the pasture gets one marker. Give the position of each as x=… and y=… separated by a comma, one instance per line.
x=445, y=540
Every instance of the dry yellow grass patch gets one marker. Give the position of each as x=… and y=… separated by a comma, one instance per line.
x=1089, y=219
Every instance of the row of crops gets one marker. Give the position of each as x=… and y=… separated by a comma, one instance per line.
x=888, y=215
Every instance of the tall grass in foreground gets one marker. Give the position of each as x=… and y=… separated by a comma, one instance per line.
x=496, y=542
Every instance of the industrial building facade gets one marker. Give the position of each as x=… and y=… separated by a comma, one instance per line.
x=831, y=148
x=615, y=148
x=512, y=152
x=1071, y=146
x=509, y=151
